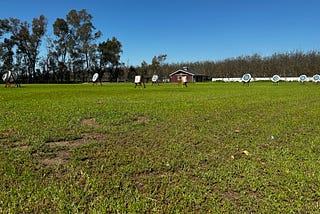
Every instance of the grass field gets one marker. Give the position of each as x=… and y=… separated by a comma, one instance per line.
x=211, y=147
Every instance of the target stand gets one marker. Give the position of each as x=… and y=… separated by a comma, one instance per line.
x=155, y=79
x=316, y=78
x=275, y=79
x=303, y=78
x=6, y=78
x=10, y=78
x=95, y=78
x=138, y=81
x=246, y=78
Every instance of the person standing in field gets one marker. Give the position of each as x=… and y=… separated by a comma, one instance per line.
x=184, y=81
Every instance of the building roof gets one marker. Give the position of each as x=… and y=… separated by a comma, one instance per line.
x=184, y=71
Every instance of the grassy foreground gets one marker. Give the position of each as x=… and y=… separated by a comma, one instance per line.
x=211, y=147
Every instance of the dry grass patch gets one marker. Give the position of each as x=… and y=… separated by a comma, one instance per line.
x=22, y=148
x=141, y=119
x=91, y=122
x=63, y=155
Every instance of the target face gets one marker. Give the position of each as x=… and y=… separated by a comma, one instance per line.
x=275, y=78
x=246, y=78
x=316, y=78
x=6, y=76
x=137, y=79
x=95, y=77
x=303, y=78
x=154, y=78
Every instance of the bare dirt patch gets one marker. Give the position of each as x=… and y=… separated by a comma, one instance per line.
x=60, y=158
x=62, y=148
x=68, y=144
x=22, y=148
x=64, y=155
x=90, y=122
x=141, y=119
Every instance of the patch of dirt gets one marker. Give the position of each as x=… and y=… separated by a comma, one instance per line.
x=140, y=179
x=94, y=136
x=63, y=156
x=69, y=144
x=60, y=158
x=231, y=195
x=141, y=119
x=100, y=102
x=90, y=122
x=22, y=148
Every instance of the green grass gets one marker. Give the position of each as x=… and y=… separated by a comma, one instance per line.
x=211, y=147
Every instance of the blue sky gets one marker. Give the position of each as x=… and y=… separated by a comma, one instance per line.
x=189, y=30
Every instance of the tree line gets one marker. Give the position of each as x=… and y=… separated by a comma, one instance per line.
x=74, y=54
x=289, y=64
